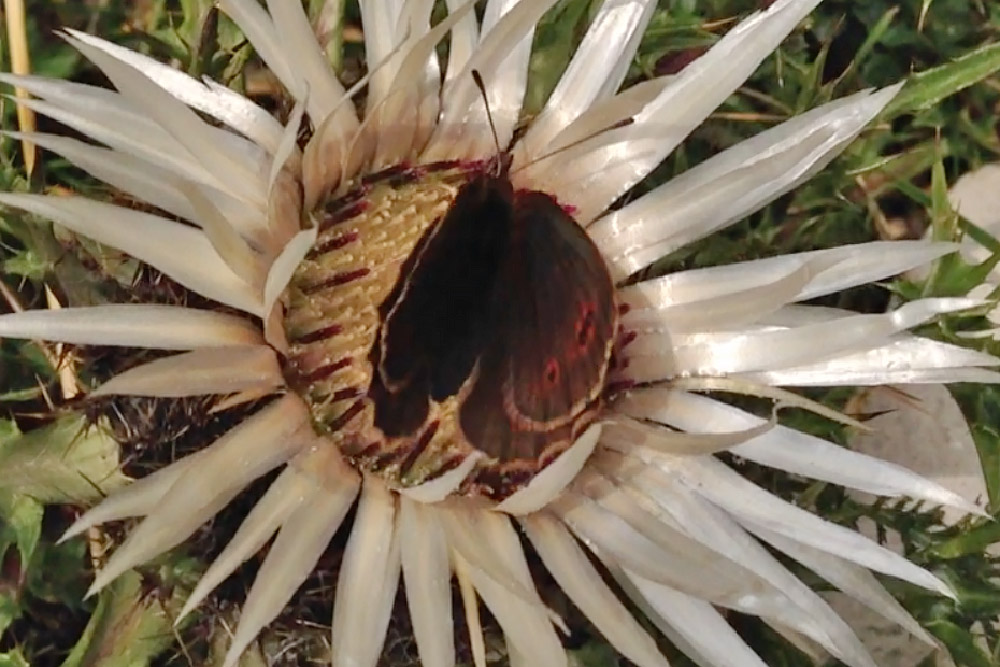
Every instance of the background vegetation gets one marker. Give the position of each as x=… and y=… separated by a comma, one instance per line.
x=891, y=183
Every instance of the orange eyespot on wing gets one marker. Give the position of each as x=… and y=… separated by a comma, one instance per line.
x=569, y=316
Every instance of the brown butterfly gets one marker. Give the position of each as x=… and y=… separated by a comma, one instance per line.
x=506, y=304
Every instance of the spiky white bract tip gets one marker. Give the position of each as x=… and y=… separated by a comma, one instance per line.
x=368, y=578
x=436, y=490
x=303, y=536
x=722, y=189
x=200, y=372
x=549, y=483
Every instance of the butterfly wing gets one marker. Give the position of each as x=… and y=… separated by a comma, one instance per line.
x=435, y=322
x=553, y=319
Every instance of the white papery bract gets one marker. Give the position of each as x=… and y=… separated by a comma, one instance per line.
x=640, y=492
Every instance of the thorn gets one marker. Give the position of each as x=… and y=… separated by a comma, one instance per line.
x=94, y=589
x=65, y=370
x=71, y=532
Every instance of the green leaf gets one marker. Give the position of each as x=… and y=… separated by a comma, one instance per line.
x=13, y=659
x=60, y=573
x=328, y=18
x=10, y=611
x=27, y=264
x=20, y=524
x=952, y=275
x=63, y=462
x=927, y=88
x=944, y=220
x=981, y=407
x=19, y=395
x=20, y=527
x=980, y=236
x=8, y=431
x=596, y=654
x=128, y=628
x=555, y=39
x=961, y=644
x=875, y=35
x=973, y=541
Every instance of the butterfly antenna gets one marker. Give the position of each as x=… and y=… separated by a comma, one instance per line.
x=625, y=122
x=503, y=162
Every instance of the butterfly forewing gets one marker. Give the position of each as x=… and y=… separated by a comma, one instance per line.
x=435, y=321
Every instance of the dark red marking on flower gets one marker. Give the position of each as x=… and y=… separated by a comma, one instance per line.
x=336, y=279
x=548, y=457
x=347, y=211
x=406, y=172
x=387, y=174
x=626, y=337
x=419, y=446
x=370, y=451
x=346, y=416
x=501, y=481
x=505, y=303
x=326, y=371
x=336, y=243
x=444, y=165
x=317, y=335
x=345, y=394
x=395, y=176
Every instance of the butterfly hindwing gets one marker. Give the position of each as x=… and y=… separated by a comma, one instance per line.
x=554, y=310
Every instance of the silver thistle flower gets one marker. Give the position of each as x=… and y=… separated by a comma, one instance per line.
x=318, y=246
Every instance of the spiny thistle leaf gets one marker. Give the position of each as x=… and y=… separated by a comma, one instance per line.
x=927, y=88
x=63, y=462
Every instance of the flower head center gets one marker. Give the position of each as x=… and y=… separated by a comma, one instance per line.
x=444, y=315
